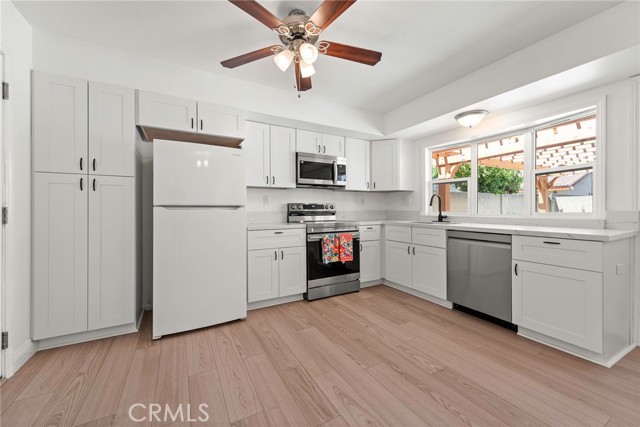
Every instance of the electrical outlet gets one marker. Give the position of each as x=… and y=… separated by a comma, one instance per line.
x=265, y=200
x=619, y=269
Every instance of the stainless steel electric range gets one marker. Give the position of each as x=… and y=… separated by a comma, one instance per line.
x=325, y=280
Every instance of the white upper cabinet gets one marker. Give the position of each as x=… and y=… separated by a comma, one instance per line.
x=111, y=252
x=271, y=156
x=111, y=130
x=391, y=165
x=59, y=124
x=358, y=164
x=257, y=149
x=333, y=145
x=59, y=254
x=218, y=120
x=167, y=112
x=283, y=157
x=308, y=142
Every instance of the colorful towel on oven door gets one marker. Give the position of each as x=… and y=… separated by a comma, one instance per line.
x=330, y=248
x=346, y=247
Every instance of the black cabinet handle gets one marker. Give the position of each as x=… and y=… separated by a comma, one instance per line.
x=81, y=182
x=273, y=180
x=281, y=254
x=367, y=185
x=324, y=149
x=94, y=184
x=191, y=122
x=201, y=124
x=414, y=250
x=360, y=247
x=374, y=185
x=278, y=232
x=81, y=163
x=266, y=179
x=94, y=165
x=551, y=243
x=275, y=253
x=369, y=228
x=515, y=269
x=319, y=149
x=409, y=250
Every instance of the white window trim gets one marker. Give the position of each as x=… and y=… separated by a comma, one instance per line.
x=599, y=173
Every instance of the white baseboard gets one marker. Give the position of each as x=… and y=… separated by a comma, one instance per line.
x=371, y=283
x=89, y=336
x=274, y=301
x=22, y=355
x=410, y=291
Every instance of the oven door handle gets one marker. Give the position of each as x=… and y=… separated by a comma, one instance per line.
x=318, y=237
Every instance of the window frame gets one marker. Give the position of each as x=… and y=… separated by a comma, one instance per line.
x=530, y=173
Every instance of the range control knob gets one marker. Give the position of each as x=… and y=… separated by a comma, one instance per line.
x=300, y=207
x=294, y=207
x=326, y=206
x=331, y=207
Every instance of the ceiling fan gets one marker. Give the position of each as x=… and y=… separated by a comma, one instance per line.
x=299, y=35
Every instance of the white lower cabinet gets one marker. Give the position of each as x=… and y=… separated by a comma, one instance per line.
x=59, y=254
x=398, y=263
x=370, y=261
x=84, y=253
x=276, y=272
x=430, y=270
x=562, y=303
x=111, y=252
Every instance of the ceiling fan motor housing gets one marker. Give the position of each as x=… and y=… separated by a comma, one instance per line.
x=296, y=23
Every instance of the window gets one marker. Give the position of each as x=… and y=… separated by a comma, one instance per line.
x=544, y=169
x=450, y=173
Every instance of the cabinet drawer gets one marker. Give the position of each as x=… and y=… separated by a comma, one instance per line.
x=397, y=233
x=369, y=232
x=561, y=252
x=269, y=239
x=429, y=237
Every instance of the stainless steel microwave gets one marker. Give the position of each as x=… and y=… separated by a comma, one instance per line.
x=320, y=170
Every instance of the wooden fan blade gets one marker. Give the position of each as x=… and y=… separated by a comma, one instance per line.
x=351, y=53
x=329, y=11
x=258, y=11
x=303, y=84
x=248, y=57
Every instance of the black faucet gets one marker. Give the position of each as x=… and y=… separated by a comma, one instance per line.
x=440, y=216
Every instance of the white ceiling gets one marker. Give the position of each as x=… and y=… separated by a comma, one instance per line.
x=425, y=44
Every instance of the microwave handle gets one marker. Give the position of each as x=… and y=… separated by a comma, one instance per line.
x=335, y=172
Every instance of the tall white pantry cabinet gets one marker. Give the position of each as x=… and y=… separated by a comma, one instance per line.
x=84, y=206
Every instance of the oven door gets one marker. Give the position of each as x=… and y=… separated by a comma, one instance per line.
x=319, y=170
x=319, y=274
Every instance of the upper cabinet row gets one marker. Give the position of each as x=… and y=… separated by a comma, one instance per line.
x=371, y=166
x=68, y=137
x=170, y=112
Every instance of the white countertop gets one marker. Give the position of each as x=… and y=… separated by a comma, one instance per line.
x=596, y=234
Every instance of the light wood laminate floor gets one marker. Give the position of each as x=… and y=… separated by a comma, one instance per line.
x=376, y=358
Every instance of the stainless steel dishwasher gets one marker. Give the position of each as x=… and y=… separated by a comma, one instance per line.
x=479, y=273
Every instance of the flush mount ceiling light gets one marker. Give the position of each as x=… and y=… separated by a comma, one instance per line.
x=299, y=35
x=471, y=118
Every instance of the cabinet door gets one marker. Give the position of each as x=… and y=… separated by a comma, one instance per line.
x=59, y=254
x=357, y=153
x=256, y=148
x=111, y=251
x=218, y=120
x=167, y=112
x=333, y=145
x=293, y=270
x=59, y=124
x=560, y=302
x=111, y=130
x=398, y=263
x=430, y=270
x=262, y=280
x=308, y=142
x=383, y=165
x=283, y=157
x=370, y=261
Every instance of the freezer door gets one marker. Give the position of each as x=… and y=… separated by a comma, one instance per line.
x=188, y=174
x=199, y=268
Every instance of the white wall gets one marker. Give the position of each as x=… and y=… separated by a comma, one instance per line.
x=16, y=44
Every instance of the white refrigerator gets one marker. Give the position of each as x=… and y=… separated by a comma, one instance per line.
x=199, y=236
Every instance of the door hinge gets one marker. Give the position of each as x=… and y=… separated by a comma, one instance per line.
x=5, y=90
x=5, y=215
x=5, y=340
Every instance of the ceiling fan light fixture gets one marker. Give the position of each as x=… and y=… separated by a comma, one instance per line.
x=471, y=118
x=283, y=59
x=306, y=69
x=308, y=53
